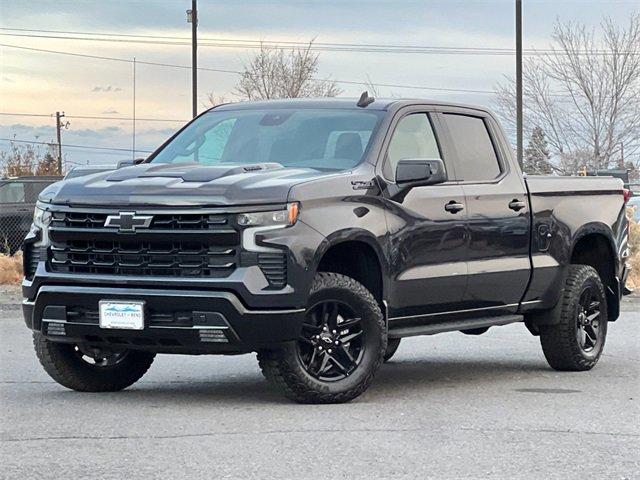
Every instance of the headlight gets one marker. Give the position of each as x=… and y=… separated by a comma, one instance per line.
x=282, y=218
x=41, y=217
x=260, y=222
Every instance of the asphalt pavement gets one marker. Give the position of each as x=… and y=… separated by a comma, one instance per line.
x=448, y=406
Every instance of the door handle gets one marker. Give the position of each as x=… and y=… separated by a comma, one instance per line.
x=454, y=207
x=517, y=205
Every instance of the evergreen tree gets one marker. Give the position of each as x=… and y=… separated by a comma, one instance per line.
x=536, y=155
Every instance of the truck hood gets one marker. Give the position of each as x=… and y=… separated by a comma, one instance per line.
x=179, y=185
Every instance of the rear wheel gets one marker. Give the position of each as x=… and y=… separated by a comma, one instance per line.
x=576, y=341
x=86, y=369
x=340, y=348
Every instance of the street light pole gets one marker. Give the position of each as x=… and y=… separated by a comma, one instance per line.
x=519, y=128
x=192, y=17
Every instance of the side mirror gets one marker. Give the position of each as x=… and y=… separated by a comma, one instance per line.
x=420, y=172
x=130, y=163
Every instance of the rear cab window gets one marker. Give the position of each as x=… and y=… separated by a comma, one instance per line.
x=12, y=192
x=477, y=160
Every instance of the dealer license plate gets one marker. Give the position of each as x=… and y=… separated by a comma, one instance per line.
x=121, y=315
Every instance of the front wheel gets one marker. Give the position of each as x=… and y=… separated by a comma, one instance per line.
x=341, y=346
x=392, y=347
x=87, y=369
x=575, y=342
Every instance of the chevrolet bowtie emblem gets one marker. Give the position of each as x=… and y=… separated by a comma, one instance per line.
x=128, y=221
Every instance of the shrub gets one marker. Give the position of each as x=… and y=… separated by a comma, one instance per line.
x=10, y=268
x=634, y=257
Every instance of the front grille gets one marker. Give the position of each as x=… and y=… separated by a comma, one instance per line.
x=77, y=314
x=188, y=259
x=174, y=245
x=162, y=221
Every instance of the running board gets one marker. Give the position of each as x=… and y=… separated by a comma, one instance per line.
x=453, y=326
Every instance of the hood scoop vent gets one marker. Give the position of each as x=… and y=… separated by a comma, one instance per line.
x=189, y=172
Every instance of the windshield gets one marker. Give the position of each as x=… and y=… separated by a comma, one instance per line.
x=322, y=139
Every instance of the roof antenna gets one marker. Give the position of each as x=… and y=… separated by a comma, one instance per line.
x=365, y=100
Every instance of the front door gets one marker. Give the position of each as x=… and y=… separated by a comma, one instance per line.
x=497, y=210
x=427, y=227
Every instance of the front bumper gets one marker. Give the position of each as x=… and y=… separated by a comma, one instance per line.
x=183, y=321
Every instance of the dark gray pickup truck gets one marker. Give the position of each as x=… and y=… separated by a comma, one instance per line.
x=318, y=233
x=17, y=200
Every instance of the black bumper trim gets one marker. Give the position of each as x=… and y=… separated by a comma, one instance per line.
x=245, y=329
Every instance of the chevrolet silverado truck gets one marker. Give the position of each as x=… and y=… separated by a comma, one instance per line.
x=319, y=233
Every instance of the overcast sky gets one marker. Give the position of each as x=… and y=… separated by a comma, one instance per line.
x=41, y=83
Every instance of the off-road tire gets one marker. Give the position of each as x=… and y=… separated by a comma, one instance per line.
x=282, y=366
x=63, y=365
x=392, y=348
x=560, y=341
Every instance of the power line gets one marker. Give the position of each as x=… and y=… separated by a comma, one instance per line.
x=282, y=44
x=347, y=82
x=88, y=147
x=116, y=59
x=89, y=117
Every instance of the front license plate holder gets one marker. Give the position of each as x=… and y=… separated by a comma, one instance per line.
x=121, y=314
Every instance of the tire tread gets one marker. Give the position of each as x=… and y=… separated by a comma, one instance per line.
x=56, y=361
x=558, y=341
x=276, y=367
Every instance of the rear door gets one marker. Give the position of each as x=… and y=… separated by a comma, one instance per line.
x=427, y=237
x=497, y=211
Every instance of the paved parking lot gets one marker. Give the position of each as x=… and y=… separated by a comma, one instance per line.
x=447, y=406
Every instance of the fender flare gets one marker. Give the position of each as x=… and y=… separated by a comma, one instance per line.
x=354, y=235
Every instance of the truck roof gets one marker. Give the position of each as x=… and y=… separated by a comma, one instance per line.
x=33, y=178
x=338, y=103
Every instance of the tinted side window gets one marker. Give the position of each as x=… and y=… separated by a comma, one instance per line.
x=477, y=159
x=34, y=189
x=413, y=138
x=12, y=193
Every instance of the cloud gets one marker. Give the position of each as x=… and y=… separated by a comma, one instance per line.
x=106, y=88
x=99, y=133
x=28, y=132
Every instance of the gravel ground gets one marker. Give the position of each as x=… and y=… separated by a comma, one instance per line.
x=447, y=406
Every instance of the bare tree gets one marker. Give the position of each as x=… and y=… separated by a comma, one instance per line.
x=27, y=160
x=214, y=100
x=584, y=93
x=278, y=73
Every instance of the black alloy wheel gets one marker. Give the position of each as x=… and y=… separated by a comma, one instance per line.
x=588, y=319
x=100, y=358
x=341, y=345
x=574, y=338
x=332, y=342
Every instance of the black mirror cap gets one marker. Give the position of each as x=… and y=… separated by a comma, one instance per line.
x=420, y=172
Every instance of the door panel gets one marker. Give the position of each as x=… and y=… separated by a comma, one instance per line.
x=428, y=240
x=428, y=251
x=498, y=216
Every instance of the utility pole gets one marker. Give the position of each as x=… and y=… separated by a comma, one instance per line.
x=133, y=140
x=59, y=127
x=519, y=128
x=192, y=18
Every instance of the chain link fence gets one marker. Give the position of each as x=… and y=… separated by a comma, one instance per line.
x=18, y=198
x=14, y=226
